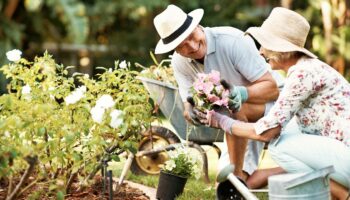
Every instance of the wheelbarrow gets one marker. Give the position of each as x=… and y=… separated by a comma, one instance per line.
x=151, y=151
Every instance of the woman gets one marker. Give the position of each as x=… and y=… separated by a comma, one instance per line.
x=317, y=95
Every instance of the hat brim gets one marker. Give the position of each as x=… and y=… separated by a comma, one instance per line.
x=165, y=48
x=274, y=43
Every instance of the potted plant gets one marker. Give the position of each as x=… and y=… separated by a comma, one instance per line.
x=182, y=164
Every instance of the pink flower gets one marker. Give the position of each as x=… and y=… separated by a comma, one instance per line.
x=212, y=98
x=201, y=77
x=207, y=91
x=214, y=77
x=225, y=94
x=219, y=89
x=221, y=102
x=203, y=87
x=208, y=88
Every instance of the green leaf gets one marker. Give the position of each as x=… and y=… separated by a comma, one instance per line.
x=72, y=14
x=60, y=195
x=115, y=158
x=41, y=131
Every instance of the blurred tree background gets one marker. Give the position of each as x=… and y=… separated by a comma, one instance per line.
x=91, y=33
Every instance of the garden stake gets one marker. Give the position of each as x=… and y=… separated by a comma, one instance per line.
x=104, y=177
x=110, y=185
x=126, y=167
x=226, y=174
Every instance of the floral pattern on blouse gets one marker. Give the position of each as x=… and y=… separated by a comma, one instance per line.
x=318, y=96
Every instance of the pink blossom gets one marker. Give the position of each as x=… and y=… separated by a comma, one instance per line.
x=221, y=102
x=203, y=87
x=208, y=88
x=212, y=98
x=219, y=89
x=208, y=91
x=214, y=77
x=225, y=94
x=201, y=77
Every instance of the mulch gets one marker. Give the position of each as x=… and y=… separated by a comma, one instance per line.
x=94, y=192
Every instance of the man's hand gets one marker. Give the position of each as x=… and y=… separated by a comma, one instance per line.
x=238, y=95
x=189, y=113
x=216, y=120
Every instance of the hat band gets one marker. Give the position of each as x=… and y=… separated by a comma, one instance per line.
x=179, y=31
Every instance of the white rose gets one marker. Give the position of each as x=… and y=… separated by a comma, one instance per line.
x=123, y=65
x=105, y=101
x=76, y=95
x=97, y=114
x=7, y=134
x=14, y=55
x=81, y=89
x=116, y=118
x=26, y=89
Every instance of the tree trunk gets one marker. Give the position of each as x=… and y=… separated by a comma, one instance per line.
x=328, y=26
x=287, y=3
x=10, y=8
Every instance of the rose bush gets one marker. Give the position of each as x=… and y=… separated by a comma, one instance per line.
x=58, y=128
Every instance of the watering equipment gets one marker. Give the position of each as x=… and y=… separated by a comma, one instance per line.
x=301, y=186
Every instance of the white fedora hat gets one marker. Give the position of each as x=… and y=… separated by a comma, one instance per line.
x=173, y=26
x=283, y=31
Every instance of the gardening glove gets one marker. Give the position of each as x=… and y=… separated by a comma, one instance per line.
x=238, y=95
x=189, y=113
x=216, y=120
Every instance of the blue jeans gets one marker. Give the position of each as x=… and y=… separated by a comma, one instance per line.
x=297, y=153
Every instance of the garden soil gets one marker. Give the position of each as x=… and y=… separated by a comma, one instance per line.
x=94, y=192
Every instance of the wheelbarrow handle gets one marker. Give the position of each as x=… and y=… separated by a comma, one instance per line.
x=323, y=172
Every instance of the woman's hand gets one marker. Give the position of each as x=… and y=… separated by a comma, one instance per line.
x=215, y=120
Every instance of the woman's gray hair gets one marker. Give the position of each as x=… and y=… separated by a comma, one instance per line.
x=281, y=56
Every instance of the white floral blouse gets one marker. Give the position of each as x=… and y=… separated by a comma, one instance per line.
x=318, y=96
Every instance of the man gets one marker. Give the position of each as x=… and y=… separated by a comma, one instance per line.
x=236, y=57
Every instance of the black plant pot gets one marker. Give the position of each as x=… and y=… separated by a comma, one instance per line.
x=170, y=186
x=227, y=191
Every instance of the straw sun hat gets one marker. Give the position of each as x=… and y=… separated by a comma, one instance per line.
x=283, y=31
x=173, y=26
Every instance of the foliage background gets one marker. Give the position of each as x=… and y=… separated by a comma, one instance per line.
x=89, y=33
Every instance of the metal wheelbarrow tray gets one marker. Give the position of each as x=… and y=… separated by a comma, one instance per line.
x=171, y=105
x=152, y=147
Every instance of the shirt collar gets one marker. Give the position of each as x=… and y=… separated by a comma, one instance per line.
x=210, y=40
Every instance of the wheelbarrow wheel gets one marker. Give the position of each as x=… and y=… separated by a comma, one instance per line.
x=156, y=137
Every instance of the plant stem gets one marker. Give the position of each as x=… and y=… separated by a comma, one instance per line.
x=10, y=186
x=27, y=187
x=32, y=162
x=70, y=181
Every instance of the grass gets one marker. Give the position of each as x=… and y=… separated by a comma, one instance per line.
x=194, y=189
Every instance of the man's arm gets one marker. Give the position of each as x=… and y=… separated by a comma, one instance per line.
x=263, y=90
